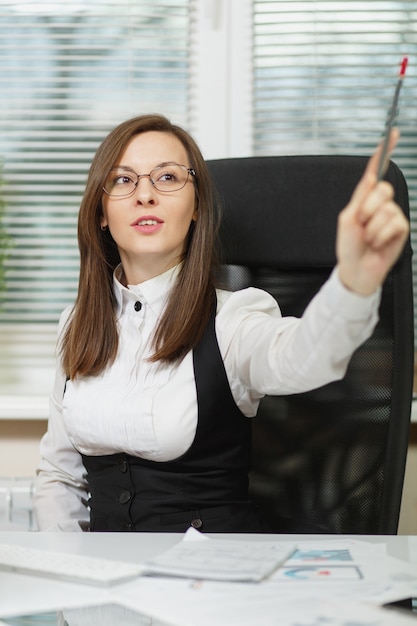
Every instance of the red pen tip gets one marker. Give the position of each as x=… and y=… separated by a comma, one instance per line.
x=403, y=66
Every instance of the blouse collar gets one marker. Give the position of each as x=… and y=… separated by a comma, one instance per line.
x=154, y=292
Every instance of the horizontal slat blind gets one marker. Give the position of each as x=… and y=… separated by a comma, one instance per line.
x=69, y=72
x=324, y=77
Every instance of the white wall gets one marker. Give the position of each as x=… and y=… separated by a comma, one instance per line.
x=221, y=94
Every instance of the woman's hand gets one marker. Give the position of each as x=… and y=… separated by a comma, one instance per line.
x=372, y=231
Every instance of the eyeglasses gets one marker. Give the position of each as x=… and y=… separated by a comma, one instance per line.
x=165, y=178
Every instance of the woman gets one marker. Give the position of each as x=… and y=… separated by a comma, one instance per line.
x=158, y=370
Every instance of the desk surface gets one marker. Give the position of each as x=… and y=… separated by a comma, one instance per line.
x=23, y=592
x=141, y=546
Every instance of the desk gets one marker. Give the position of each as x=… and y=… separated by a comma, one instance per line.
x=23, y=593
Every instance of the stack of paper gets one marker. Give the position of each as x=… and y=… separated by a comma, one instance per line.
x=220, y=559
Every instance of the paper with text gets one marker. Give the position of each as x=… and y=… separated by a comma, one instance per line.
x=220, y=559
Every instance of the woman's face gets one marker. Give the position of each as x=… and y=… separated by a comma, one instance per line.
x=150, y=227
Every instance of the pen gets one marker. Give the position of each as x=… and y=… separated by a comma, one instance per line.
x=392, y=113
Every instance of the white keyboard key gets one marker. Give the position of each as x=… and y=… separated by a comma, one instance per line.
x=62, y=566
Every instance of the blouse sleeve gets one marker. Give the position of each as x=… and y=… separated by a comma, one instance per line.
x=268, y=354
x=61, y=489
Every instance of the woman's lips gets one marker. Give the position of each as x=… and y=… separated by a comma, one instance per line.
x=148, y=224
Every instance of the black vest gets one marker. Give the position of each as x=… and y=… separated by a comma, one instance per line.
x=206, y=487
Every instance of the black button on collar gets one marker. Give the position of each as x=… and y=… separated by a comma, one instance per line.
x=138, y=305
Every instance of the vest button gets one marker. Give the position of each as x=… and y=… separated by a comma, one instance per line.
x=128, y=526
x=196, y=523
x=124, y=497
x=138, y=305
x=123, y=465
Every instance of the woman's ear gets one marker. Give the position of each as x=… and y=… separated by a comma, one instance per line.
x=103, y=223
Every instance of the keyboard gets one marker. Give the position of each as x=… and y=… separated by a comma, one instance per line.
x=69, y=567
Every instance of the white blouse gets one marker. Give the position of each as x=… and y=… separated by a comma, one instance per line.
x=150, y=410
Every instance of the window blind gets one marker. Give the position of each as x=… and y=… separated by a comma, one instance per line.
x=69, y=73
x=324, y=78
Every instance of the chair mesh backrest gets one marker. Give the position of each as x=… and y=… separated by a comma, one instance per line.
x=330, y=460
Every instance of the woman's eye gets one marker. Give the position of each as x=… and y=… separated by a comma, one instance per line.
x=167, y=177
x=122, y=180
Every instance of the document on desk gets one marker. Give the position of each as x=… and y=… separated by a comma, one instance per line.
x=199, y=557
x=341, y=582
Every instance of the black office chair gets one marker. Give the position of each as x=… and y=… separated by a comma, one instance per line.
x=331, y=460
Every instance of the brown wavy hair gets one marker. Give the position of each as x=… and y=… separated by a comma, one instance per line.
x=90, y=339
